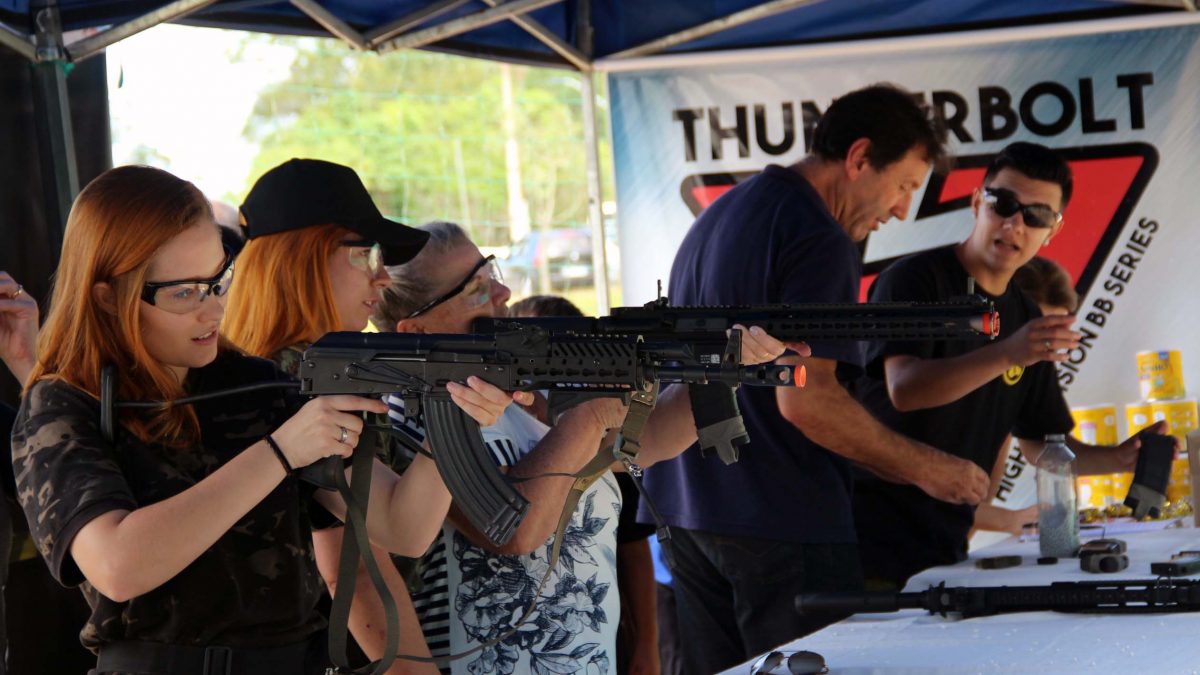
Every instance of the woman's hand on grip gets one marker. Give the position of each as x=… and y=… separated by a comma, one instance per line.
x=324, y=427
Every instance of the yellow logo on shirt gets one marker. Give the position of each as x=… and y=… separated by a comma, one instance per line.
x=1013, y=375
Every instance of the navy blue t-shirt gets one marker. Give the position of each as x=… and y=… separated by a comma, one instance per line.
x=769, y=240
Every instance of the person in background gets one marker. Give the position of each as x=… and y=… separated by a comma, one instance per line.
x=637, y=632
x=187, y=528
x=46, y=638
x=966, y=396
x=670, y=648
x=18, y=331
x=1050, y=287
x=233, y=235
x=18, y=328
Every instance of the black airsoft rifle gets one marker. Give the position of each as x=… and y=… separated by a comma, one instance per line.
x=1109, y=597
x=703, y=329
x=418, y=367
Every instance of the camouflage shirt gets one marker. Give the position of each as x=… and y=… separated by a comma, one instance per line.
x=256, y=586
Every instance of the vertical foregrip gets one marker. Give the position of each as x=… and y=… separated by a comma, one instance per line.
x=475, y=483
x=719, y=424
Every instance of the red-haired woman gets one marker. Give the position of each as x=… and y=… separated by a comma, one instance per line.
x=314, y=263
x=187, y=531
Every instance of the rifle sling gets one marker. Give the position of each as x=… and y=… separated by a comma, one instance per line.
x=356, y=544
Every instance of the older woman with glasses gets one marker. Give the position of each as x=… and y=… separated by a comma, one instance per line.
x=472, y=591
x=314, y=263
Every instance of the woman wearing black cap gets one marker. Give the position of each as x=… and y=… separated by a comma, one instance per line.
x=314, y=263
x=186, y=528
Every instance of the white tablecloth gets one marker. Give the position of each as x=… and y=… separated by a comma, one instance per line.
x=913, y=641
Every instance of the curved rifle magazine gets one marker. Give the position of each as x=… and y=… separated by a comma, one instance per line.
x=474, y=480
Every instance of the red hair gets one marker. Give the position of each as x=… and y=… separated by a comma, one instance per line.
x=116, y=225
x=283, y=295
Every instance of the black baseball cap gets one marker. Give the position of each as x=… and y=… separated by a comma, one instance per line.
x=304, y=192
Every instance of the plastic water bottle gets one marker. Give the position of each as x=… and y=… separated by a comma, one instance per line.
x=1058, y=515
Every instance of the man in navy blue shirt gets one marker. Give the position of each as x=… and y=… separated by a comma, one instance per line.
x=749, y=536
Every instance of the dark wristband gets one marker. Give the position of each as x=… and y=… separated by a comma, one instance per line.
x=279, y=453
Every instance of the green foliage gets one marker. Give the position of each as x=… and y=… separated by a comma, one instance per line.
x=426, y=133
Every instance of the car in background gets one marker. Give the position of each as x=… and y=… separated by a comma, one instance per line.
x=566, y=255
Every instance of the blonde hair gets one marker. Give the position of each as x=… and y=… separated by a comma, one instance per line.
x=412, y=284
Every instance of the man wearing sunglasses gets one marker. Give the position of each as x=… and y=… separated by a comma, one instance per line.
x=966, y=396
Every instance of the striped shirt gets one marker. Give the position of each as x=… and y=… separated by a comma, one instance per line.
x=469, y=595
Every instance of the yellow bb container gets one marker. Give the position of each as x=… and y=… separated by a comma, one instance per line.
x=1138, y=416
x=1180, y=485
x=1095, y=425
x=1120, y=486
x=1160, y=374
x=1181, y=416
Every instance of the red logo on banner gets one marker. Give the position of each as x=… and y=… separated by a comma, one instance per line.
x=1109, y=181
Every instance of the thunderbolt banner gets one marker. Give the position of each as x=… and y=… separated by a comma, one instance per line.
x=1117, y=99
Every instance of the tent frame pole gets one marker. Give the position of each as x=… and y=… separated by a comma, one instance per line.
x=52, y=116
x=94, y=44
x=462, y=25
x=387, y=31
x=335, y=26
x=595, y=191
x=537, y=29
x=17, y=41
x=767, y=9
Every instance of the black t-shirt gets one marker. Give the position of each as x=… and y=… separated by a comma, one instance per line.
x=257, y=586
x=901, y=529
x=628, y=528
x=771, y=239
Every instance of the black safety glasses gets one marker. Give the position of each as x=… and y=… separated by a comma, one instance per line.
x=186, y=295
x=475, y=299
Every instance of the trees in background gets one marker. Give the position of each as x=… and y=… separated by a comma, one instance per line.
x=425, y=131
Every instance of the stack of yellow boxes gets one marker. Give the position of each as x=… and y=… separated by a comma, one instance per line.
x=1160, y=380
x=1097, y=425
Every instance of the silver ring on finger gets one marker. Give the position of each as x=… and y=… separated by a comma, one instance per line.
x=344, y=435
x=1048, y=347
x=20, y=290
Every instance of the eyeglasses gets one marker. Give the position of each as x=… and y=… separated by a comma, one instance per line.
x=475, y=299
x=798, y=663
x=1005, y=204
x=186, y=295
x=365, y=255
